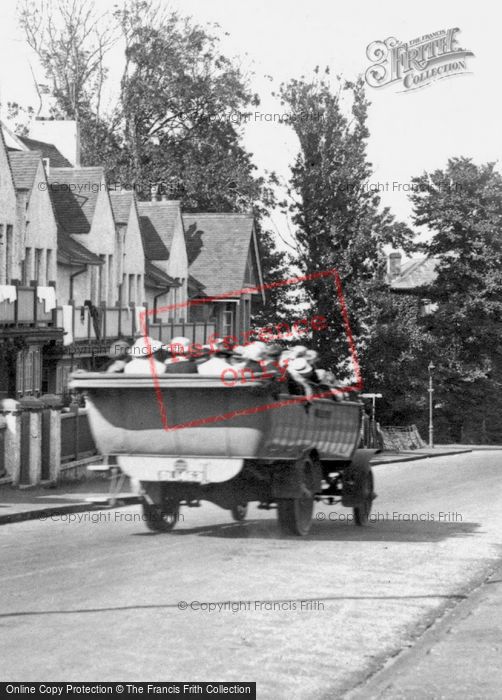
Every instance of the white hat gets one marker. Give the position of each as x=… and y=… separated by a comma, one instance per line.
x=255, y=351
x=179, y=345
x=145, y=346
x=300, y=365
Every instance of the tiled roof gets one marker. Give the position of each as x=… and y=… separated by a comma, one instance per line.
x=71, y=252
x=121, y=206
x=162, y=218
x=153, y=244
x=24, y=165
x=218, y=247
x=48, y=150
x=419, y=272
x=75, y=192
x=157, y=278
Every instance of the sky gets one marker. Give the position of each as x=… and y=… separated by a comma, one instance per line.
x=411, y=131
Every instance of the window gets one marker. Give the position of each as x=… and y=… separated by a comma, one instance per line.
x=27, y=266
x=110, y=297
x=9, y=262
x=39, y=266
x=228, y=320
x=50, y=273
x=102, y=280
x=131, y=293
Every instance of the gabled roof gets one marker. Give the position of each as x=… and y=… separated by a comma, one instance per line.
x=71, y=252
x=74, y=192
x=121, y=205
x=48, y=150
x=218, y=246
x=162, y=217
x=157, y=278
x=24, y=165
x=153, y=245
x=419, y=272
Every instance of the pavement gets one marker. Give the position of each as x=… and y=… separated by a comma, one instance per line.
x=306, y=618
x=466, y=645
x=18, y=504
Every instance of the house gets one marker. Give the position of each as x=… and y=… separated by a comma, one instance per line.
x=223, y=259
x=413, y=278
x=166, y=282
x=83, y=210
x=27, y=315
x=129, y=253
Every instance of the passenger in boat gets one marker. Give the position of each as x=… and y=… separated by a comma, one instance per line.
x=218, y=363
x=120, y=355
x=300, y=377
x=145, y=354
x=180, y=360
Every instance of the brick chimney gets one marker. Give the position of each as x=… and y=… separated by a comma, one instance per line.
x=394, y=265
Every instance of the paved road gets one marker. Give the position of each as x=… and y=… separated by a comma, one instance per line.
x=99, y=600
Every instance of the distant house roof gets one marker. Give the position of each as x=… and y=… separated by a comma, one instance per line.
x=48, y=150
x=24, y=165
x=158, y=223
x=71, y=252
x=74, y=192
x=157, y=278
x=218, y=246
x=121, y=206
x=419, y=272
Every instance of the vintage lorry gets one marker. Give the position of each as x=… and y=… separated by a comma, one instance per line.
x=187, y=438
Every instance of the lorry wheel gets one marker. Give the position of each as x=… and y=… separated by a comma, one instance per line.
x=161, y=518
x=295, y=514
x=239, y=511
x=362, y=512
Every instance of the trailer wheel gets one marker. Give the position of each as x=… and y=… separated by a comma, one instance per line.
x=161, y=518
x=239, y=511
x=362, y=512
x=295, y=514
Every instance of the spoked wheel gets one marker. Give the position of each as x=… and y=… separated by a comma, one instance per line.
x=295, y=514
x=362, y=512
x=161, y=518
x=239, y=512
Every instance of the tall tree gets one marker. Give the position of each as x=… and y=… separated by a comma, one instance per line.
x=462, y=206
x=338, y=219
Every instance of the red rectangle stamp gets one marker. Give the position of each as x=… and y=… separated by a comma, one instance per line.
x=281, y=330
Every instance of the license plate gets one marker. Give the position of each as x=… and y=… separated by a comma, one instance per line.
x=195, y=475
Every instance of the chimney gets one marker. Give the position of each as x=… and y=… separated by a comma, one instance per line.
x=394, y=265
x=154, y=191
x=47, y=166
x=64, y=134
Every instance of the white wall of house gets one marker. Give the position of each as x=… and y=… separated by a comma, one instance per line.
x=177, y=266
x=39, y=251
x=9, y=235
x=99, y=283
x=133, y=262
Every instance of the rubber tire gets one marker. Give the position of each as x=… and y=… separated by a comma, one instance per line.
x=161, y=518
x=239, y=512
x=362, y=512
x=295, y=514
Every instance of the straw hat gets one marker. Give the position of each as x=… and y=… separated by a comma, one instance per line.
x=179, y=345
x=301, y=366
x=145, y=346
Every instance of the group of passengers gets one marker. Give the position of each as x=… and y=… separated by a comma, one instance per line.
x=297, y=366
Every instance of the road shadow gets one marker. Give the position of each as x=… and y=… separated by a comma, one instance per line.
x=386, y=531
